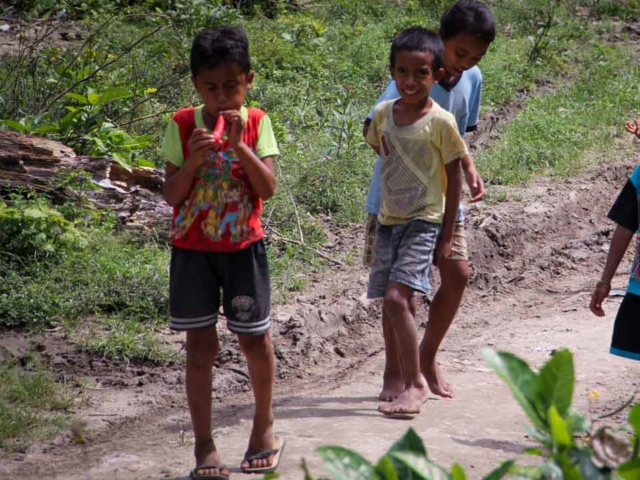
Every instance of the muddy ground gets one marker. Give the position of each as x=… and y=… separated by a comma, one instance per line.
x=535, y=260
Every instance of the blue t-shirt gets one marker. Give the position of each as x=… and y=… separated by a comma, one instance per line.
x=462, y=100
x=626, y=213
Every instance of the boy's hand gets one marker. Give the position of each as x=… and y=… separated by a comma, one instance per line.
x=443, y=250
x=634, y=127
x=235, y=126
x=475, y=184
x=599, y=294
x=200, y=143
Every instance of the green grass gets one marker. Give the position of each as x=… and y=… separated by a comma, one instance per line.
x=110, y=276
x=562, y=132
x=127, y=340
x=32, y=406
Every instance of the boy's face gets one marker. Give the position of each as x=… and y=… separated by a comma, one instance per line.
x=222, y=88
x=462, y=52
x=414, y=75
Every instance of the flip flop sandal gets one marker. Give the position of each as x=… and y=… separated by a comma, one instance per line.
x=400, y=415
x=276, y=452
x=193, y=476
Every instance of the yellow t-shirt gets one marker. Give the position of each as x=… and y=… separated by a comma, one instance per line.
x=413, y=178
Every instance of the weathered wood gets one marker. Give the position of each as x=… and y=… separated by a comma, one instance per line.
x=39, y=164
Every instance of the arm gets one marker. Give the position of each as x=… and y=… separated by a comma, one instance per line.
x=634, y=127
x=259, y=171
x=454, y=191
x=473, y=179
x=619, y=244
x=365, y=127
x=178, y=180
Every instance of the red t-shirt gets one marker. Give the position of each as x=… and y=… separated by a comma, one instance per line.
x=222, y=211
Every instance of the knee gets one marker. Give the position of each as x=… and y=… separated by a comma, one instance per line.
x=456, y=274
x=201, y=355
x=252, y=345
x=395, y=303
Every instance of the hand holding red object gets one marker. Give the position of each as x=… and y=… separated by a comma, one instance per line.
x=218, y=131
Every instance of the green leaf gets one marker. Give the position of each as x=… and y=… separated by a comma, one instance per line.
x=634, y=418
x=555, y=381
x=578, y=423
x=143, y=162
x=35, y=213
x=629, y=470
x=345, y=464
x=522, y=381
x=12, y=124
x=501, y=471
x=48, y=128
x=410, y=442
x=122, y=161
x=559, y=429
x=305, y=469
x=589, y=470
x=533, y=451
x=93, y=98
x=386, y=469
x=457, y=472
x=80, y=98
x=421, y=466
x=112, y=94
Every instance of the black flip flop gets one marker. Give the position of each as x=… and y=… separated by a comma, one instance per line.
x=193, y=472
x=276, y=452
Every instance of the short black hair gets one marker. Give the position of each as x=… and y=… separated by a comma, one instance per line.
x=217, y=46
x=468, y=16
x=418, y=39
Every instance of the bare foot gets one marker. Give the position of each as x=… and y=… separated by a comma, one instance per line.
x=206, y=454
x=437, y=384
x=408, y=402
x=261, y=439
x=391, y=389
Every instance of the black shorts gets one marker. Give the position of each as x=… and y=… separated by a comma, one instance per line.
x=626, y=330
x=195, y=281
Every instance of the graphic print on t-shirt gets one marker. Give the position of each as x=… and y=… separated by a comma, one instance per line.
x=221, y=192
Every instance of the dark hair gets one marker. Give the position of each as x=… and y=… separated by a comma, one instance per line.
x=418, y=39
x=220, y=45
x=468, y=16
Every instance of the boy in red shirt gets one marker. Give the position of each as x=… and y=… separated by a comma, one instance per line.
x=217, y=187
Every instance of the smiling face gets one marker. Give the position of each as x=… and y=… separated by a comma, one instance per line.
x=414, y=75
x=462, y=52
x=222, y=88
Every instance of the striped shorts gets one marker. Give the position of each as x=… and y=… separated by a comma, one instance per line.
x=196, y=279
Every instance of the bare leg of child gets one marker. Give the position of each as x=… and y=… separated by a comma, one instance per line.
x=258, y=349
x=202, y=348
x=397, y=303
x=392, y=381
x=454, y=275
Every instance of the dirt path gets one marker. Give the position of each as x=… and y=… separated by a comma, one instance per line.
x=535, y=260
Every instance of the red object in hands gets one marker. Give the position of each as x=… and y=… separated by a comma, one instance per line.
x=218, y=131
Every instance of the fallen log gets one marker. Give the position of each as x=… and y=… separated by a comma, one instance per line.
x=42, y=165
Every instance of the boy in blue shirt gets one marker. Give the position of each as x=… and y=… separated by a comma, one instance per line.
x=625, y=341
x=467, y=30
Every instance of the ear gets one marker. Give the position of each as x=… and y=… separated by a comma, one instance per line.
x=250, y=77
x=439, y=75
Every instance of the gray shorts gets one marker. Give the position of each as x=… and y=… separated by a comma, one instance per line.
x=402, y=254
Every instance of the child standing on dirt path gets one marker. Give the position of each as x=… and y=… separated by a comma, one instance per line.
x=626, y=213
x=420, y=150
x=467, y=30
x=216, y=185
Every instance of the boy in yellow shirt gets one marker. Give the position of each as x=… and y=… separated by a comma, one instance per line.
x=421, y=150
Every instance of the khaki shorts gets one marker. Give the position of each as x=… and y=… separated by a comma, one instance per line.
x=459, y=250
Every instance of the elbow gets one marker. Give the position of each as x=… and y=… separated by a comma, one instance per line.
x=268, y=192
x=169, y=198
